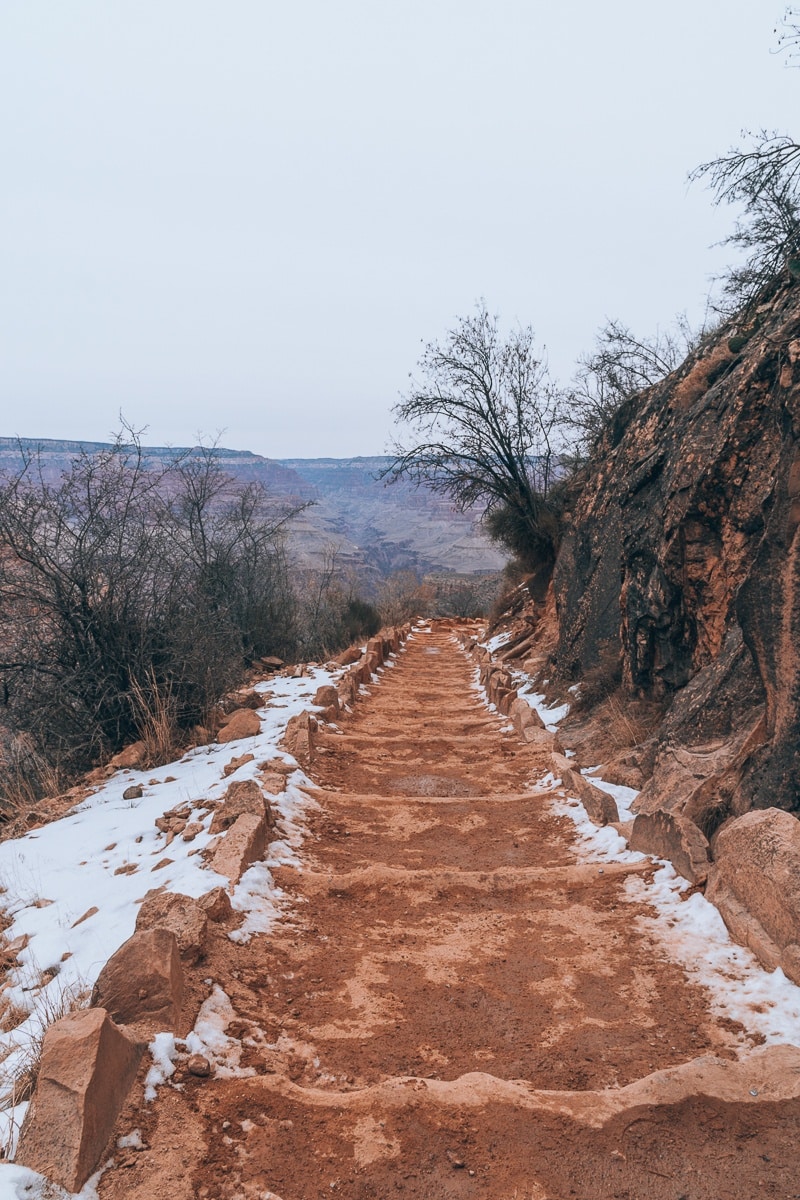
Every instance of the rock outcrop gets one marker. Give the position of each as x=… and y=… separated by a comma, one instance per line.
x=86, y=1071
x=141, y=985
x=681, y=562
x=755, y=883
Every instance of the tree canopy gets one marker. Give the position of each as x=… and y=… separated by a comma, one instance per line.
x=482, y=418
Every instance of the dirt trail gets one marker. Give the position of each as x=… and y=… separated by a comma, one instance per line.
x=453, y=990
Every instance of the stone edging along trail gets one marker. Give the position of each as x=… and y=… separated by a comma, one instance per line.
x=454, y=1001
x=750, y=871
x=90, y=1058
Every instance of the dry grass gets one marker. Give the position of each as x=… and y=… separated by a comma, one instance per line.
x=26, y=776
x=701, y=376
x=627, y=722
x=155, y=708
x=602, y=680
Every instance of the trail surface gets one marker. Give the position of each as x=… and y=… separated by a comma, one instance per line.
x=455, y=1006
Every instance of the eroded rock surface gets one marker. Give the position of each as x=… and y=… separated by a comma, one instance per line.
x=755, y=883
x=141, y=985
x=88, y=1065
x=682, y=558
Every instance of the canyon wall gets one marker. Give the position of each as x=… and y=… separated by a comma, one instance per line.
x=681, y=556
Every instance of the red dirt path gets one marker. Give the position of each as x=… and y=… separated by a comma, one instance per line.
x=446, y=966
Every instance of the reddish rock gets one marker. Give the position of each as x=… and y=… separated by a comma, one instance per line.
x=242, y=796
x=600, y=807
x=181, y=915
x=273, y=782
x=142, y=984
x=243, y=844
x=349, y=656
x=235, y=763
x=242, y=723
x=299, y=736
x=132, y=756
x=675, y=838
x=542, y=739
x=523, y=715
x=216, y=905
x=327, y=697
x=198, y=1065
x=86, y=1071
x=755, y=884
x=276, y=764
x=375, y=647
x=271, y=662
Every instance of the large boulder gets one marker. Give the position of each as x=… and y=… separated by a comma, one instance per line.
x=755, y=884
x=142, y=984
x=673, y=837
x=299, y=736
x=243, y=844
x=242, y=723
x=522, y=715
x=180, y=914
x=600, y=807
x=242, y=796
x=86, y=1071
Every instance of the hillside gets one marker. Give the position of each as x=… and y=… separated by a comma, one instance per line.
x=371, y=528
x=680, y=561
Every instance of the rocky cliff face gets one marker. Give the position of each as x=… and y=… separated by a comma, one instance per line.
x=681, y=555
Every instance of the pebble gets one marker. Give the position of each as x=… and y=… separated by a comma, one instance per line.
x=198, y=1065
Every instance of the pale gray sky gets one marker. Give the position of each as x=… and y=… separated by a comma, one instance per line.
x=244, y=216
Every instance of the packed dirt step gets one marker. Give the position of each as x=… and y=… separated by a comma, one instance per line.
x=455, y=1006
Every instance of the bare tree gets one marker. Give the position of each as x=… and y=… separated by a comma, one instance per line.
x=765, y=180
x=484, y=420
x=789, y=35
x=130, y=588
x=620, y=365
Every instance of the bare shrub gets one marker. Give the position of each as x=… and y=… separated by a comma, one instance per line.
x=25, y=775
x=156, y=714
x=599, y=681
x=620, y=366
x=628, y=722
x=403, y=596
x=763, y=179
x=132, y=595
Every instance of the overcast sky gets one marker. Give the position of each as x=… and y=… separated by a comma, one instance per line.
x=245, y=216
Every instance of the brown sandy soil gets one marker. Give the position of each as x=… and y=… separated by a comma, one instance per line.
x=452, y=991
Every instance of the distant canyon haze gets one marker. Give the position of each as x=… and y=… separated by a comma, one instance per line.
x=368, y=526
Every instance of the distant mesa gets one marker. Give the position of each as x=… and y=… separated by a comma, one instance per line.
x=367, y=525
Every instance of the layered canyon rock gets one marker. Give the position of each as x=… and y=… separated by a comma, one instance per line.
x=681, y=561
